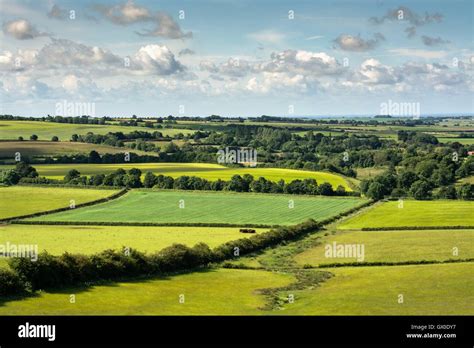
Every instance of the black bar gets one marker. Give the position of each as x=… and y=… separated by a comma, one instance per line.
x=131, y=330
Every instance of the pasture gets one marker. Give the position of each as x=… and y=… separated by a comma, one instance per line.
x=11, y=130
x=208, y=207
x=395, y=246
x=24, y=200
x=414, y=213
x=441, y=289
x=207, y=171
x=93, y=239
x=211, y=292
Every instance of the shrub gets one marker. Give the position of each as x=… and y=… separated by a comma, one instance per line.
x=10, y=283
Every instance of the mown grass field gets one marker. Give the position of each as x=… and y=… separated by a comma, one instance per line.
x=208, y=207
x=207, y=171
x=24, y=200
x=53, y=148
x=414, y=213
x=441, y=289
x=93, y=239
x=213, y=292
x=11, y=130
x=396, y=246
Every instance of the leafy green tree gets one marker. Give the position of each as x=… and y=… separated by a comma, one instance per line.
x=55, y=138
x=24, y=170
x=72, y=174
x=447, y=192
x=9, y=177
x=376, y=190
x=94, y=157
x=34, y=137
x=466, y=192
x=149, y=180
x=421, y=190
x=325, y=189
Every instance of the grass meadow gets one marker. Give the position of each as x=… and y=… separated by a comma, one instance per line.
x=93, y=239
x=441, y=289
x=24, y=200
x=208, y=207
x=396, y=246
x=414, y=213
x=212, y=292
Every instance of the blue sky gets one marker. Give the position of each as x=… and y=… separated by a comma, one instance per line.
x=236, y=58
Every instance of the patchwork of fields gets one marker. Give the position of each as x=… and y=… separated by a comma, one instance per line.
x=208, y=207
x=372, y=290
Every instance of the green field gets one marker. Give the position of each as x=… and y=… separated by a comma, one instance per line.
x=441, y=289
x=207, y=171
x=208, y=207
x=53, y=148
x=24, y=200
x=11, y=130
x=213, y=292
x=414, y=213
x=465, y=141
x=396, y=246
x=93, y=239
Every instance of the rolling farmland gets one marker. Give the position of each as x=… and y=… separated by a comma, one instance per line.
x=201, y=207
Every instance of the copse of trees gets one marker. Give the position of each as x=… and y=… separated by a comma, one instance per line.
x=13, y=176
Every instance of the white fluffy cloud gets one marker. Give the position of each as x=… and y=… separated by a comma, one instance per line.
x=156, y=59
x=21, y=29
x=356, y=43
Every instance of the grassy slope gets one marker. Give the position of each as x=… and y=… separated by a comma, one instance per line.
x=414, y=213
x=443, y=289
x=208, y=207
x=23, y=200
x=396, y=246
x=208, y=171
x=217, y=292
x=46, y=130
x=91, y=239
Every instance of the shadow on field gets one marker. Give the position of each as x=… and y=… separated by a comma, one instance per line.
x=89, y=287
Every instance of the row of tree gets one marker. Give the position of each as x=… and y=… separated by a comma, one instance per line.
x=245, y=183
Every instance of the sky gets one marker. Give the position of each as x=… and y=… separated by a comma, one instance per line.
x=236, y=57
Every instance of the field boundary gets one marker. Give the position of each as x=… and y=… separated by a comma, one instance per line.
x=157, y=224
x=388, y=263
x=408, y=228
x=58, y=210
